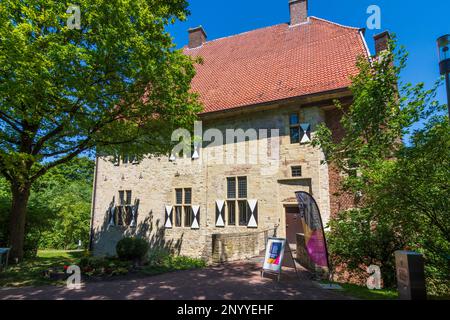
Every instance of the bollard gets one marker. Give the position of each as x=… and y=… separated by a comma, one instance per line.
x=410, y=275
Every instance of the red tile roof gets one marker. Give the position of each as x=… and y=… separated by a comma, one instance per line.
x=276, y=63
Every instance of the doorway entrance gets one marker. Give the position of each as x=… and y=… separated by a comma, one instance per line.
x=293, y=223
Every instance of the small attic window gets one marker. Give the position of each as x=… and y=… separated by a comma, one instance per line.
x=296, y=171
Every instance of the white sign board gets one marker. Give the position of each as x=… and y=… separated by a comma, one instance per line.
x=274, y=254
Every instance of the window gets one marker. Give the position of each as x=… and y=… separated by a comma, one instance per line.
x=179, y=196
x=183, y=209
x=231, y=188
x=296, y=171
x=128, y=198
x=187, y=196
x=123, y=212
x=294, y=127
x=243, y=212
x=125, y=159
x=178, y=216
x=242, y=187
x=231, y=207
x=237, y=201
x=188, y=216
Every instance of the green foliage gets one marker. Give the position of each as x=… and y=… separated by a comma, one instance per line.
x=104, y=266
x=161, y=261
x=59, y=208
x=362, y=292
x=117, y=85
x=132, y=249
x=404, y=188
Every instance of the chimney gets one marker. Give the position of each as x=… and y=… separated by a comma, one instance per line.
x=382, y=42
x=298, y=10
x=197, y=37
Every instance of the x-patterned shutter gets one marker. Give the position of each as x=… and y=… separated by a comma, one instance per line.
x=220, y=213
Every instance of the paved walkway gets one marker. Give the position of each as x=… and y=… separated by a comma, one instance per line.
x=238, y=281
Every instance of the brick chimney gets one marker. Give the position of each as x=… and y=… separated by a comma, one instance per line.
x=298, y=10
x=382, y=42
x=197, y=37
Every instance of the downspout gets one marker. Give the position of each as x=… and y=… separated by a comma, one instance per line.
x=94, y=193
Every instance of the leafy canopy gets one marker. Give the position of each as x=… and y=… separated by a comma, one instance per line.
x=115, y=84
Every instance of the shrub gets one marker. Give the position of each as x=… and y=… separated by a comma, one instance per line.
x=104, y=266
x=132, y=249
x=157, y=256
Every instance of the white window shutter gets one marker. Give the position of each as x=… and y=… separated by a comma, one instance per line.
x=168, y=223
x=220, y=213
x=196, y=220
x=305, y=133
x=253, y=221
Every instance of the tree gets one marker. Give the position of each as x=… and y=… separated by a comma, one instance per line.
x=59, y=208
x=402, y=188
x=116, y=84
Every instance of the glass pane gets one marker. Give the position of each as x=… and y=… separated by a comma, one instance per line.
x=231, y=188
x=121, y=197
x=187, y=216
x=242, y=186
x=242, y=213
x=293, y=119
x=231, y=207
x=179, y=196
x=178, y=214
x=296, y=171
x=295, y=135
x=128, y=200
x=187, y=196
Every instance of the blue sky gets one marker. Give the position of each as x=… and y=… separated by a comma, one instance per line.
x=416, y=23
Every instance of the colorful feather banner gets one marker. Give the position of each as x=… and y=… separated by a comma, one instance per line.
x=315, y=241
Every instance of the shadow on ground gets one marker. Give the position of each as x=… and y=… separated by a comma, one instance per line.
x=233, y=281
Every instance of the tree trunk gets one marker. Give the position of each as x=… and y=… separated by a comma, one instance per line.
x=20, y=197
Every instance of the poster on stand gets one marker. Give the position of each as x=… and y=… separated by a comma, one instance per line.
x=274, y=254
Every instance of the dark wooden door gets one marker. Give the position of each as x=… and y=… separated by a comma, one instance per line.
x=293, y=224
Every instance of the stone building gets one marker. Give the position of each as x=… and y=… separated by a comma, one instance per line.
x=268, y=89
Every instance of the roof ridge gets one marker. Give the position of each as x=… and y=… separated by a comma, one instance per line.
x=238, y=34
x=269, y=27
x=335, y=23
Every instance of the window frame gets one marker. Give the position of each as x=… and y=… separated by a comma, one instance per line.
x=122, y=216
x=184, y=216
x=294, y=126
x=299, y=169
x=239, y=203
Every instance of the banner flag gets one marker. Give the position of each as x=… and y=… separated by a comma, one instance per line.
x=315, y=241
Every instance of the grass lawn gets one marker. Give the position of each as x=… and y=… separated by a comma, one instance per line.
x=30, y=272
x=364, y=293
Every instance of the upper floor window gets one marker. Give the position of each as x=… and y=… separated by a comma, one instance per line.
x=294, y=127
x=125, y=159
